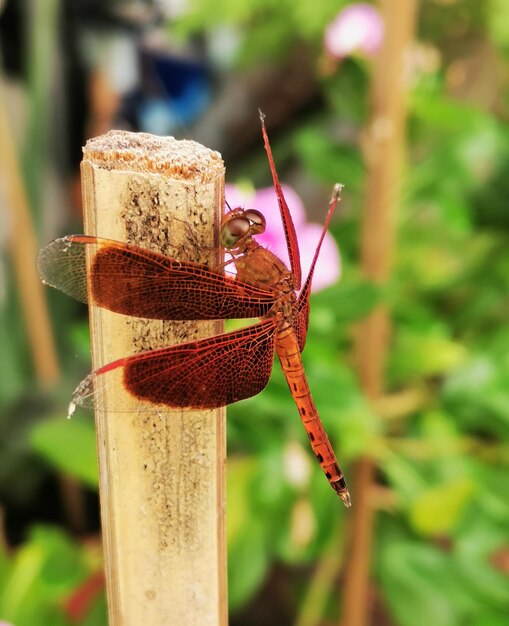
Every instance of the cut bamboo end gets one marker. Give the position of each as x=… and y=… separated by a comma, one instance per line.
x=162, y=474
x=142, y=152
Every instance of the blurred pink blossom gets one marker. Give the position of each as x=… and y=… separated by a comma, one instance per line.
x=328, y=267
x=358, y=28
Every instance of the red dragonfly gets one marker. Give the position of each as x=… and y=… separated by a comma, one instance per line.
x=215, y=371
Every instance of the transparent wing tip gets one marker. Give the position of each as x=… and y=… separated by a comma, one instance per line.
x=83, y=395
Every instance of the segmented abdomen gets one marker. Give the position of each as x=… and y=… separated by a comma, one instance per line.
x=289, y=356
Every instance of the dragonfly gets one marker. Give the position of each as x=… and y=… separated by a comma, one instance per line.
x=215, y=371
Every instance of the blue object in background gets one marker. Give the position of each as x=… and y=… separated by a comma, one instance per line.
x=175, y=92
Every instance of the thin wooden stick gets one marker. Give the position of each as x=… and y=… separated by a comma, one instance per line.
x=24, y=251
x=383, y=150
x=161, y=474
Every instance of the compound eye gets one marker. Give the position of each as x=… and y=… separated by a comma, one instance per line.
x=256, y=219
x=233, y=230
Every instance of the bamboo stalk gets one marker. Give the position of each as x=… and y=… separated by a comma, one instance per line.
x=24, y=251
x=383, y=152
x=161, y=474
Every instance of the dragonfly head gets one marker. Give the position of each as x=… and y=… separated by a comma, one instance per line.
x=239, y=226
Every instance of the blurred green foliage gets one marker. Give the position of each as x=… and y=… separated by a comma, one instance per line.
x=272, y=27
x=40, y=581
x=442, y=538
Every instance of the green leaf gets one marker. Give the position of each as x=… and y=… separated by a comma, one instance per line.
x=492, y=619
x=42, y=573
x=69, y=445
x=498, y=22
x=248, y=562
x=447, y=114
x=13, y=354
x=329, y=161
x=425, y=354
x=241, y=471
x=478, y=542
x=347, y=301
x=437, y=510
x=421, y=585
x=97, y=614
x=480, y=386
x=403, y=476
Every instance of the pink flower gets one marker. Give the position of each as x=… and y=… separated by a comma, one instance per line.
x=357, y=28
x=328, y=267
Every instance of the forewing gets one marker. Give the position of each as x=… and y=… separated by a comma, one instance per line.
x=138, y=282
x=203, y=374
x=289, y=229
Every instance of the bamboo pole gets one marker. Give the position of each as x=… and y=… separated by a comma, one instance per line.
x=384, y=150
x=23, y=247
x=161, y=473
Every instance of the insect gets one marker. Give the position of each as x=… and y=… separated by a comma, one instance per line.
x=218, y=370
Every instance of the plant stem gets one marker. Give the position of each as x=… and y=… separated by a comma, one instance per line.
x=384, y=146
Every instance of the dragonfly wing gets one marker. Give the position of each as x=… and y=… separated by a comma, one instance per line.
x=302, y=319
x=289, y=229
x=203, y=374
x=138, y=282
x=301, y=322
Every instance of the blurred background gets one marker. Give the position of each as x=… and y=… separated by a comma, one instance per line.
x=407, y=354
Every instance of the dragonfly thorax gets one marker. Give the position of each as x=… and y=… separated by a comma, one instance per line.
x=259, y=266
